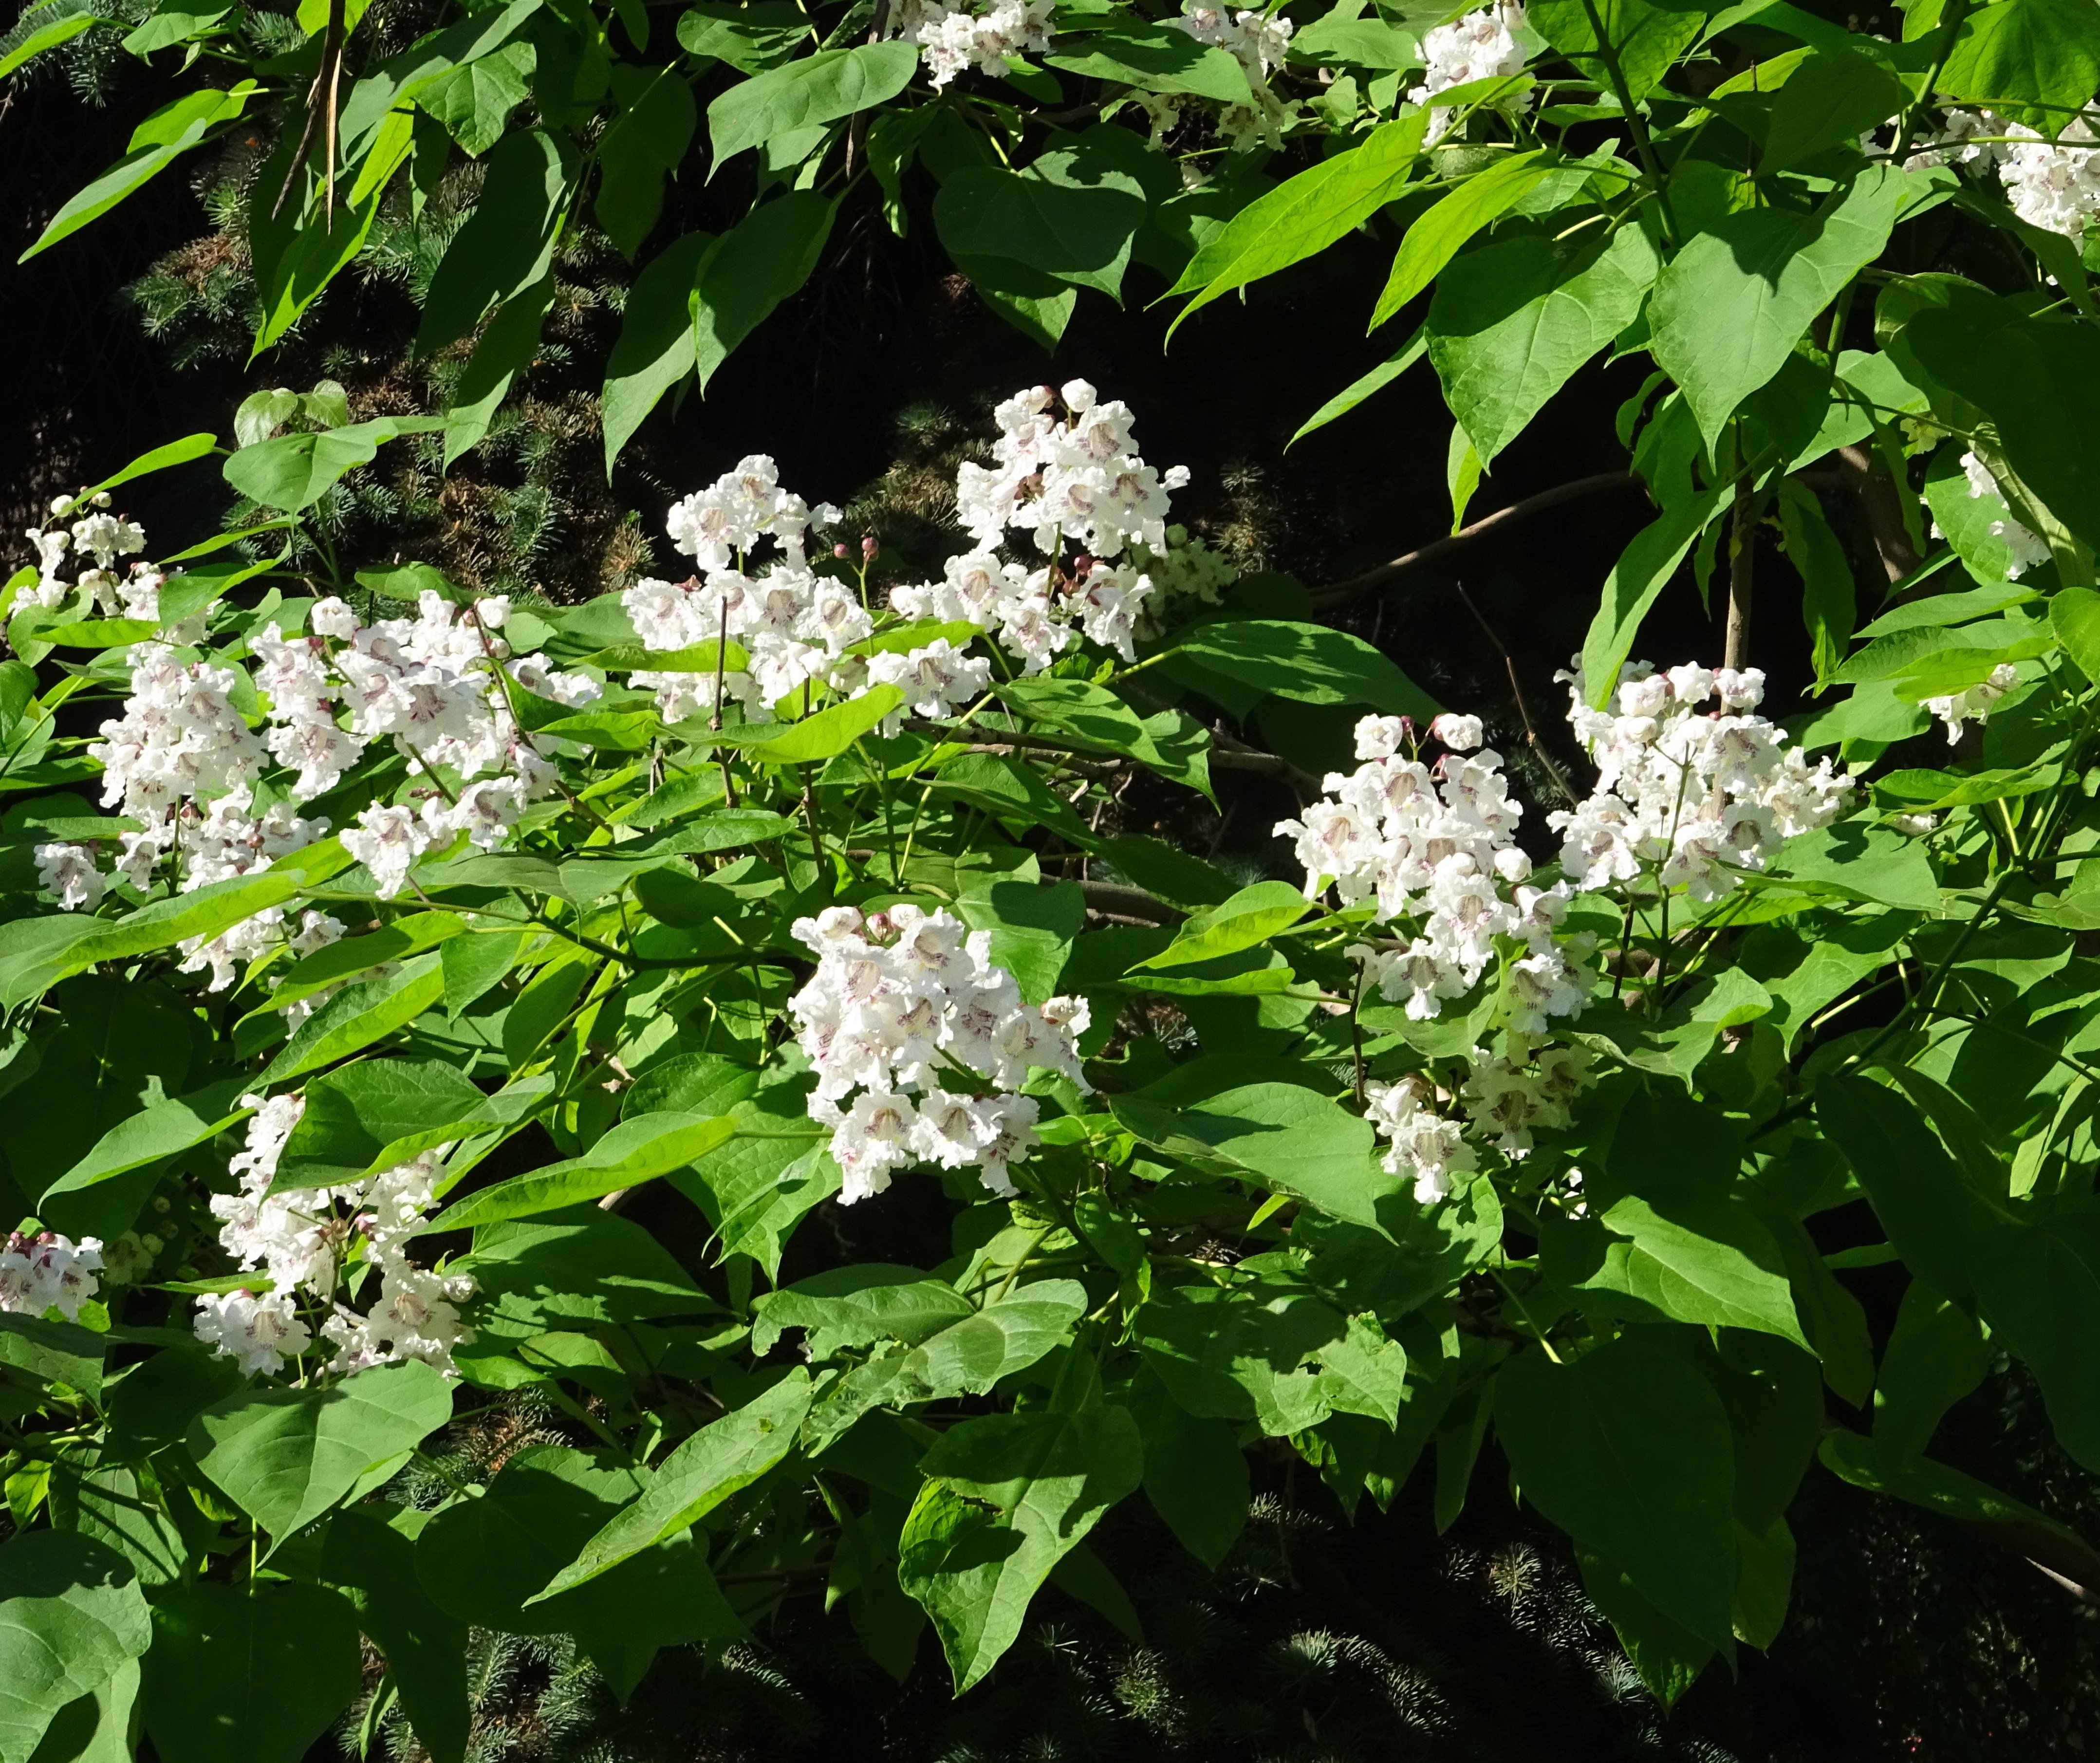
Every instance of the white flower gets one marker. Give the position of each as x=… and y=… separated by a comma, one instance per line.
x=1462, y=734
x=1973, y=705
x=257, y=1333
x=1698, y=795
x=1426, y=1146
x=951, y=41
x=48, y=1271
x=67, y=873
x=1481, y=46
x=935, y=679
x=872, y=1138
x=387, y=840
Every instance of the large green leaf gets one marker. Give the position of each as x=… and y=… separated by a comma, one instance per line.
x=71, y=1619
x=508, y=242
x=160, y=1130
x=1153, y=56
x=636, y=1150
x=403, y=78
x=2031, y=60
x=1439, y=233
x=1069, y=215
x=357, y=1016
x=655, y=349
x=1196, y=1478
x=2040, y=1287
x=1048, y=1479
x=807, y=94
x=352, y=1115
x=1828, y=99
x=1307, y=663
x=751, y=37
x=1240, y=1350
x=1729, y=308
x=1699, y=1254
x=475, y=100
x=1639, y=39
x=758, y=1186
x=37, y=953
x=1511, y=322
x=46, y=32
x=1938, y=1222
x=1306, y=215
x=293, y=471
x=1012, y=1332
x=1642, y=571
x=1032, y=929
x=646, y=144
x=483, y=1560
x=257, y=1672
x=747, y=271
x=721, y=1459
x=1936, y=1355
x=1252, y=916
x=2026, y=378
x=286, y=1456
x=156, y=144
x=1628, y=1450
x=299, y=253
x=1279, y=1135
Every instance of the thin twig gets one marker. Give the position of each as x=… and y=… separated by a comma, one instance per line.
x=1339, y=592
x=1516, y=691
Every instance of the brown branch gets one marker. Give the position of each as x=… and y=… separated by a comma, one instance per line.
x=1226, y=753
x=1112, y=900
x=1741, y=581
x=1341, y=591
x=1861, y=471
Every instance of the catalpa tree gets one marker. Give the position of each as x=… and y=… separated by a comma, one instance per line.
x=379, y=955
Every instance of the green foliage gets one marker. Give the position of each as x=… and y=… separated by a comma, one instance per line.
x=1634, y=1296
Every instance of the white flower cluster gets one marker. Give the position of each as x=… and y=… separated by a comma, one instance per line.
x=793, y=625
x=952, y=39
x=48, y=1271
x=901, y=999
x=1687, y=794
x=1485, y=44
x=2053, y=184
x=1186, y=574
x=1032, y=612
x=1067, y=473
x=1436, y=845
x=97, y=539
x=1259, y=42
x=1070, y=479
x=301, y=1238
x=185, y=762
x=1532, y=1085
x=2029, y=549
